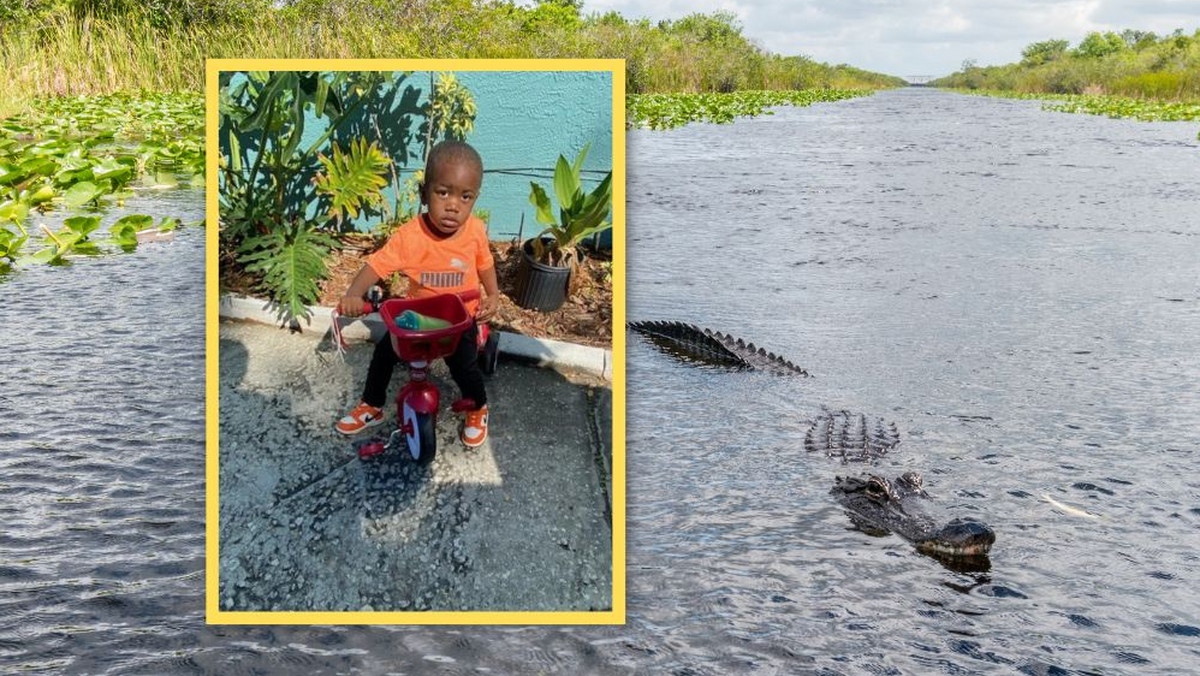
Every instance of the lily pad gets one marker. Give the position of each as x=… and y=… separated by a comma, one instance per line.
x=81, y=193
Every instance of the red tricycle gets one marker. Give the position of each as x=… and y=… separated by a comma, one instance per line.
x=418, y=402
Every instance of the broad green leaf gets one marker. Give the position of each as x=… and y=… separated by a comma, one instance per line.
x=47, y=255
x=135, y=221
x=42, y=194
x=539, y=199
x=10, y=174
x=81, y=193
x=565, y=184
x=161, y=180
x=82, y=225
x=577, y=165
x=354, y=179
x=14, y=211
x=112, y=170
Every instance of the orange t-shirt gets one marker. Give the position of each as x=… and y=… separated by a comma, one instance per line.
x=434, y=264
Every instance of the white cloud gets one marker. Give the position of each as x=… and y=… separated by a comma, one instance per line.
x=919, y=37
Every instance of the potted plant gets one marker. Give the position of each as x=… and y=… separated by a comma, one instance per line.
x=548, y=259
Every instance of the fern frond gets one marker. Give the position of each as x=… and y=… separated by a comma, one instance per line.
x=292, y=264
x=352, y=179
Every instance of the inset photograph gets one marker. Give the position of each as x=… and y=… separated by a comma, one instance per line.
x=414, y=400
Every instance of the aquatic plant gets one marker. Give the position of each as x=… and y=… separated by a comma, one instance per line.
x=10, y=245
x=1146, y=110
x=84, y=153
x=1120, y=106
x=665, y=111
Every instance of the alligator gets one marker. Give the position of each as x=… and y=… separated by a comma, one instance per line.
x=878, y=506
x=694, y=344
x=875, y=505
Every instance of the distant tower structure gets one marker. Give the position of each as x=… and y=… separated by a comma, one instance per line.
x=919, y=80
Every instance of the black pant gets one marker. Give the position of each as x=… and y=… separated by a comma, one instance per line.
x=463, y=364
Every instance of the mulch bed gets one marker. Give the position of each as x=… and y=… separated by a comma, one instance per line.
x=586, y=317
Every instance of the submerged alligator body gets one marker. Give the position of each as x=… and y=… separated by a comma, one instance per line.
x=875, y=504
x=692, y=343
x=851, y=437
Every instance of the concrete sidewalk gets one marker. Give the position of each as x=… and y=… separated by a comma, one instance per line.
x=521, y=523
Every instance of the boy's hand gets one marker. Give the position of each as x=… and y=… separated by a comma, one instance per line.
x=487, y=308
x=351, y=306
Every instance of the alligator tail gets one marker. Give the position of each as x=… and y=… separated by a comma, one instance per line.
x=693, y=343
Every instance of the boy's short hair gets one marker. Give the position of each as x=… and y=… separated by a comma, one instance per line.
x=451, y=151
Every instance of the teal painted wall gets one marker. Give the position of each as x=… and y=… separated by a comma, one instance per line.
x=524, y=120
x=527, y=120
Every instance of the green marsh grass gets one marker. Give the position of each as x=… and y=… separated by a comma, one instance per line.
x=1134, y=75
x=61, y=55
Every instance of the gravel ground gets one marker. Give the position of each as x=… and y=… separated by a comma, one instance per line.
x=521, y=523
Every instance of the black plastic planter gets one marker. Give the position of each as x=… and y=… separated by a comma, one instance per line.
x=539, y=286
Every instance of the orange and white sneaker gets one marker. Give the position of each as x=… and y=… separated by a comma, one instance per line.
x=363, y=416
x=474, y=431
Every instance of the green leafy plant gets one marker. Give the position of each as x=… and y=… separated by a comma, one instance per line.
x=291, y=260
x=352, y=179
x=83, y=152
x=450, y=112
x=10, y=245
x=267, y=194
x=665, y=111
x=580, y=214
x=124, y=231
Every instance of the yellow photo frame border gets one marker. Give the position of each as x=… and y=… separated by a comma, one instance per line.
x=213, y=613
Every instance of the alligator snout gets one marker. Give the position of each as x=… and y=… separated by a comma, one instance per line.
x=960, y=537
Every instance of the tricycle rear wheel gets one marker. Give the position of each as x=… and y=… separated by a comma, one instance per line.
x=489, y=354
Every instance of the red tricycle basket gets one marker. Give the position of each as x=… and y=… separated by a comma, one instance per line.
x=426, y=345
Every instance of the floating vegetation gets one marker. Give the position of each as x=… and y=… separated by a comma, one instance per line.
x=666, y=111
x=85, y=153
x=1146, y=110
x=1119, y=106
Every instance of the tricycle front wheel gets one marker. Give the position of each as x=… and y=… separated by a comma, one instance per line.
x=419, y=434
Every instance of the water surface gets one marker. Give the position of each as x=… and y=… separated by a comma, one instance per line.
x=1018, y=290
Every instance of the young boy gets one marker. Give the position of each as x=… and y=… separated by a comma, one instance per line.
x=443, y=250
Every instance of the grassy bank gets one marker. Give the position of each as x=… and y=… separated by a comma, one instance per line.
x=62, y=52
x=1130, y=65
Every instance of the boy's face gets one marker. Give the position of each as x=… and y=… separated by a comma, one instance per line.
x=450, y=194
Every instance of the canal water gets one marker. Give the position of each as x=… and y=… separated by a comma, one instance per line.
x=1017, y=290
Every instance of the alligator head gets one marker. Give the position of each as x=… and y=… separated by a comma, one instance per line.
x=878, y=506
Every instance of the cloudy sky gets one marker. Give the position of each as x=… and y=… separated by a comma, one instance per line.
x=920, y=37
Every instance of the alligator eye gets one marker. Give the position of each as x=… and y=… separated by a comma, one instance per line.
x=876, y=488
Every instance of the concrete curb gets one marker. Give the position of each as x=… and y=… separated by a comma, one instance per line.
x=553, y=354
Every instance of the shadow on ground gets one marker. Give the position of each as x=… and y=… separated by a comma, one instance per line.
x=520, y=523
